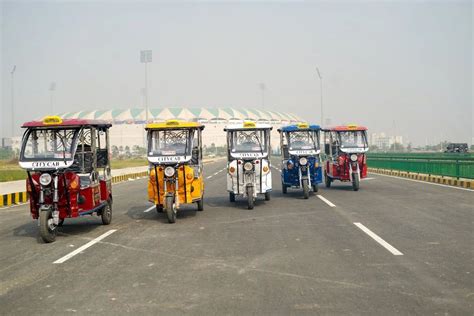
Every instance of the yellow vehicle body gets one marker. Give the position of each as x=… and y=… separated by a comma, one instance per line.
x=189, y=193
x=175, y=157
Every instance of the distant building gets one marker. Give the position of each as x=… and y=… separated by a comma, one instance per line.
x=383, y=141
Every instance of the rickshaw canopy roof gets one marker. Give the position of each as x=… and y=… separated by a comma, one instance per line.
x=346, y=128
x=174, y=124
x=299, y=127
x=56, y=121
x=247, y=125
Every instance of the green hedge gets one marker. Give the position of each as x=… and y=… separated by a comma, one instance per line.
x=442, y=164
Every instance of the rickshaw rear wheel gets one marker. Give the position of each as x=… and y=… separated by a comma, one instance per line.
x=250, y=200
x=106, y=214
x=355, y=182
x=267, y=196
x=284, y=188
x=159, y=208
x=200, y=204
x=327, y=180
x=305, y=190
x=315, y=188
x=47, y=234
x=232, y=196
x=170, y=209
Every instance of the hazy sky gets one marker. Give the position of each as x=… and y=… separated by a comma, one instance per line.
x=404, y=66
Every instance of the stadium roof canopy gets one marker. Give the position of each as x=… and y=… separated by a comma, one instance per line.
x=203, y=115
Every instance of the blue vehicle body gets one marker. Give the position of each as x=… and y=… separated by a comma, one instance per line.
x=293, y=173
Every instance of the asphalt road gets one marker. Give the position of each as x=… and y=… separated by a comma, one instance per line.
x=287, y=256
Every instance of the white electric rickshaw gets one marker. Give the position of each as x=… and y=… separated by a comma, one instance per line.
x=248, y=166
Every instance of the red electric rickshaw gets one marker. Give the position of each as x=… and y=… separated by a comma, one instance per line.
x=68, y=167
x=346, y=160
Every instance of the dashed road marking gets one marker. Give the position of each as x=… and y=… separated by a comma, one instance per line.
x=322, y=198
x=84, y=247
x=149, y=209
x=378, y=239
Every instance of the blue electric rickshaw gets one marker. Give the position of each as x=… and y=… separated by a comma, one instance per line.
x=301, y=161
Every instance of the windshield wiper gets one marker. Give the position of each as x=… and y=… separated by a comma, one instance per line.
x=312, y=138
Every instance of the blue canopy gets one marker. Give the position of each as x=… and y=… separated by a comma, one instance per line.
x=299, y=127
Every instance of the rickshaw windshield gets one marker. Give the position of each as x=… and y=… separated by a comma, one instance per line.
x=303, y=140
x=170, y=142
x=248, y=141
x=49, y=144
x=353, y=139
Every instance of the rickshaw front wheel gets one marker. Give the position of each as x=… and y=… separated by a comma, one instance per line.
x=250, y=200
x=170, y=209
x=305, y=189
x=200, y=204
x=48, y=233
x=106, y=214
x=355, y=182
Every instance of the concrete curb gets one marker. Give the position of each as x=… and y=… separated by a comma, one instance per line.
x=22, y=197
x=463, y=183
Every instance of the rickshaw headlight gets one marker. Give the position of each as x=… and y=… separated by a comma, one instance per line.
x=248, y=166
x=169, y=171
x=45, y=179
x=303, y=161
x=354, y=157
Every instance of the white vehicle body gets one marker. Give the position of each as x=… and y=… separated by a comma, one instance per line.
x=250, y=168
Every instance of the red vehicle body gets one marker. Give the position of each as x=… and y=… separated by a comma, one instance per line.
x=346, y=160
x=68, y=169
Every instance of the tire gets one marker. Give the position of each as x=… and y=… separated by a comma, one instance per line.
x=315, y=188
x=170, y=209
x=106, y=214
x=159, y=209
x=250, y=199
x=200, y=204
x=232, y=196
x=327, y=180
x=355, y=182
x=284, y=188
x=305, y=189
x=267, y=196
x=48, y=235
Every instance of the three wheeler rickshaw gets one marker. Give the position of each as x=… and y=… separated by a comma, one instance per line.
x=68, y=171
x=248, y=165
x=176, y=167
x=301, y=162
x=346, y=160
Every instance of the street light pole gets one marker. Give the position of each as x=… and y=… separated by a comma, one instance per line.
x=321, y=85
x=145, y=58
x=262, y=87
x=12, y=73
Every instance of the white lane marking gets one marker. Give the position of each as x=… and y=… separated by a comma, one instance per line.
x=322, y=198
x=424, y=182
x=149, y=209
x=382, y=242
x=209, y=177
x=84, y=247
x=368, y=179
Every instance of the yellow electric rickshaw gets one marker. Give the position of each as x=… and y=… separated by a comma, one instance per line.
x=175, y=157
